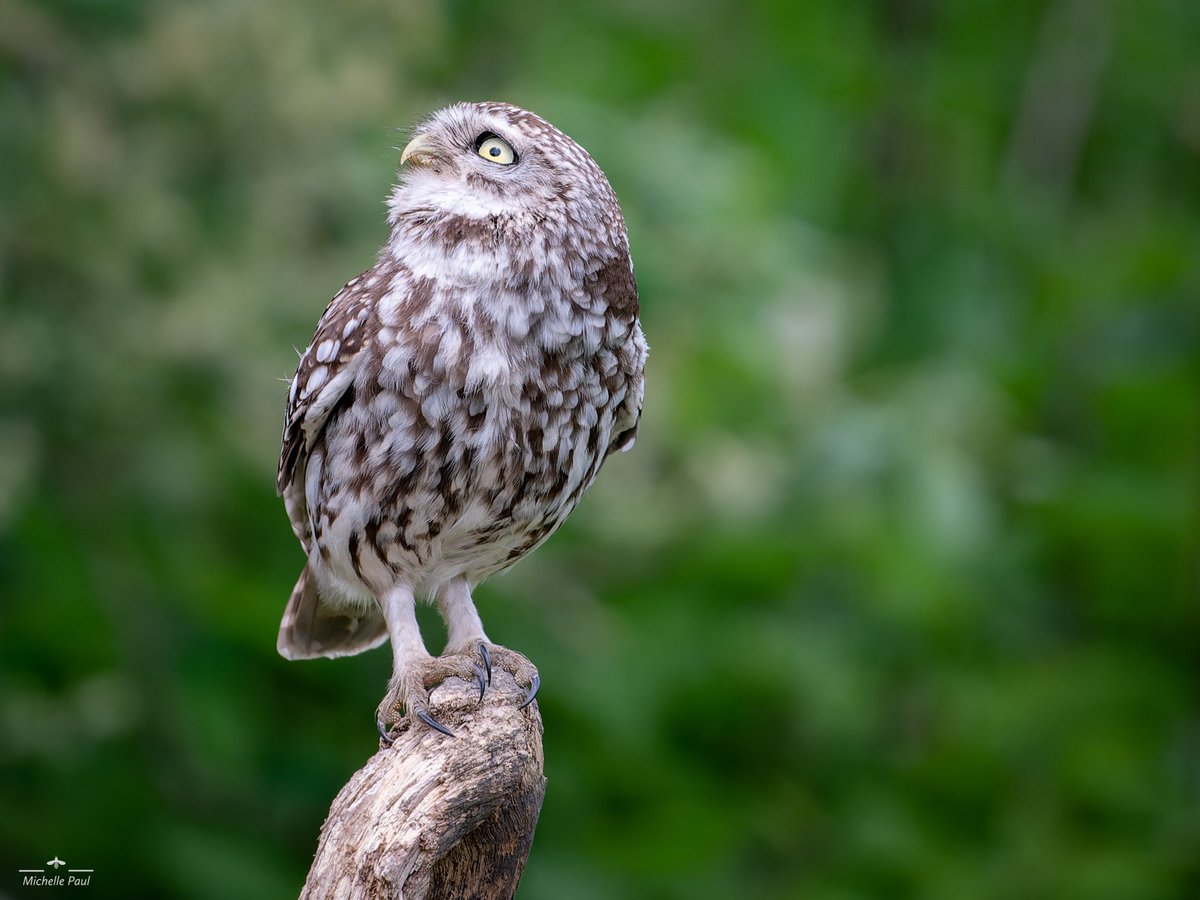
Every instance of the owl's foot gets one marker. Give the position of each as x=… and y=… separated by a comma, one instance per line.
x=516, y=664
x=407, y=697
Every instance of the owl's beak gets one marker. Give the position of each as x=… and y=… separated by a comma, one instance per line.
x=418, y=149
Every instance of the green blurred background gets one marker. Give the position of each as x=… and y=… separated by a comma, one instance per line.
x=896, y=596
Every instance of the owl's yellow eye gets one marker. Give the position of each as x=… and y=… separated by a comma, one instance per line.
x=495, y=149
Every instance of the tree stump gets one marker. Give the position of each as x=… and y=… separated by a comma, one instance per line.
x=440, y=818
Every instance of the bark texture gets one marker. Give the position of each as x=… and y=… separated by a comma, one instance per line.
x=434, y=817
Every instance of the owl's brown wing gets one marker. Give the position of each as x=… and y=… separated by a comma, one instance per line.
x=310, y=626
x=615, y=282
x=629, y=413
x=326, y=370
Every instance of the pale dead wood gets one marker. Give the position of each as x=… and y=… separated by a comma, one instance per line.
x=434, y=817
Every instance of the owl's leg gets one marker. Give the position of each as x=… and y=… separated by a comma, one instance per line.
x=465, y=637
x=464, y=628
x=414, y=671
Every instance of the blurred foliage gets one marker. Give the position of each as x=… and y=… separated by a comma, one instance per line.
x=896, y=596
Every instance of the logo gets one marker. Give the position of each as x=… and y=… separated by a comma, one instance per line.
x=40, y=878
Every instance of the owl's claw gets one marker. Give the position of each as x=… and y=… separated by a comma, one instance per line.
x=423, y=715
x=487, y=663
x=514, y=663
x=533, y=689
x=433, y=723
x=479, y=676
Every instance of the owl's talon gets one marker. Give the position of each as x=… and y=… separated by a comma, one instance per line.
x=533, y=690
x=515, y=664
x=487, y=663
x=433, y=723
x=384, y=734
x=479, y=676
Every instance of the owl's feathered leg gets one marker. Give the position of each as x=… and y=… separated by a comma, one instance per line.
x=465, y=637
x=414, y=671
x=463, y=625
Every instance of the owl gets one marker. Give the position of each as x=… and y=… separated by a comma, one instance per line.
x=458, y=397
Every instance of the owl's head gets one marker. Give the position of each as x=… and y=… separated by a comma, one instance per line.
x=484, y=161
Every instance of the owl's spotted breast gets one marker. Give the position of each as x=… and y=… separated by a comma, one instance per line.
x=473, y=423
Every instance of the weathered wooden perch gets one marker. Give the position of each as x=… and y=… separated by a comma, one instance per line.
x=440, y=818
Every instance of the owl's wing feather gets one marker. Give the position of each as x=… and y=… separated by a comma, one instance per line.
x=629, y=415
x=312, y=628
x=325, y=372
x=616, y=283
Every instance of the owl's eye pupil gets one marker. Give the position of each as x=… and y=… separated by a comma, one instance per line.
x=494, y=151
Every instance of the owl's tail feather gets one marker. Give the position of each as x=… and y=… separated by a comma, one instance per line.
x=312, y=627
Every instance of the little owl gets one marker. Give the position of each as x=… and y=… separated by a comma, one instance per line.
x=458, y=397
